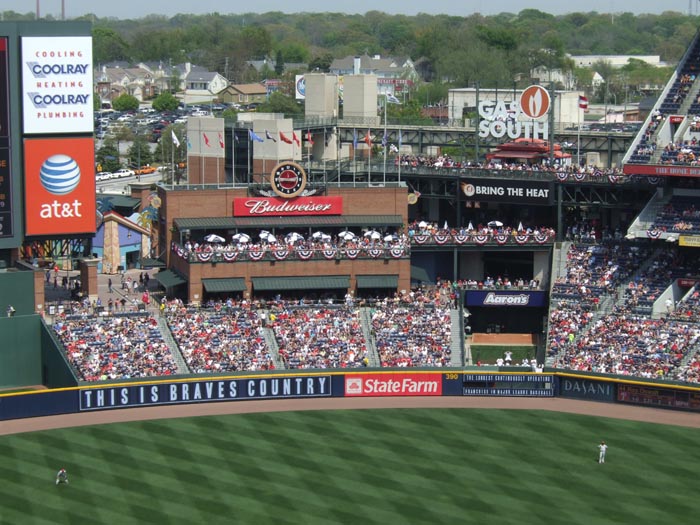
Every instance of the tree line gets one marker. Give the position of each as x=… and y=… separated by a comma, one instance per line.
x=454, y=51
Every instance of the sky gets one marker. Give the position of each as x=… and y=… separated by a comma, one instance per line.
x=138, y=8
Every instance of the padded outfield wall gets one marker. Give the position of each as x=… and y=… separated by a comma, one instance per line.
x=365, y=383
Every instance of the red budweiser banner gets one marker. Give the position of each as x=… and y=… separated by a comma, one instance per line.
x=275, y=206
x=398, y=384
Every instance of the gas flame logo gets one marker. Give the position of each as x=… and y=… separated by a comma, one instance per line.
x=535, y=102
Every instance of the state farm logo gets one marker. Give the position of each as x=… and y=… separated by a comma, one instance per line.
x=535, y=102
x=353, y=386
x=378, y=385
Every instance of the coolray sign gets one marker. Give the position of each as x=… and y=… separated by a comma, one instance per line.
x=57, y=87
x=501, y=190
x=275, y=206
x=59, y=186
x=504, y=298
x=205, y=391
x=516, y=119
x=378, y=385
x=580, y=388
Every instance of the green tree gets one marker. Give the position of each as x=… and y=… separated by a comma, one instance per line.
x=321, y=63
x=108, y=45
x=140, y=153
x=279, y=62
x=280, y=103
x=165, y=102
x=230, y=114
x=166, y=151
x=108, y=155
x=125, y=102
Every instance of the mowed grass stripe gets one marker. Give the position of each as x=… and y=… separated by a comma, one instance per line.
x=348, y=466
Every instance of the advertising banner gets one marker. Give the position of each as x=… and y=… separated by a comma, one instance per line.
x=509, y=385
x=393, y=384
x=59, y=186
x=661, y=171
x=57, y=85
x=689, y=240
x=299, y=87
x=506, y=190
x=6, y=226
x=275, y=206
x=504, y=298
x=659, y=397
x=205, y=391
x=584, y=388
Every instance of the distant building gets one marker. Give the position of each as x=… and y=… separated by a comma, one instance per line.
x=395, y=75
x=243, y=93
x=615, y=61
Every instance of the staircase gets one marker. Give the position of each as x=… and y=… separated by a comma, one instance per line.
x=366, y=322
x=456, y=349
x=172, y=345
x=271, y=340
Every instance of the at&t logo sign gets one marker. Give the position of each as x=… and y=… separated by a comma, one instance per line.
x=60, y=175
x=516, y=119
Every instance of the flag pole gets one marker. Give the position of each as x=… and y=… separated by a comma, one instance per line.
x=399, y=153
x=385, y=139
x=369, y=169
x=250, y=145
x=578, y=137
x=354, y=161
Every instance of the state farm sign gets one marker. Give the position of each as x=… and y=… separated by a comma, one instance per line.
x=274, y=206
x=377, y=385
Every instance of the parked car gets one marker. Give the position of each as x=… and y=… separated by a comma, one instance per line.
x=103, y=176
x=123, y=172
x=144, y=170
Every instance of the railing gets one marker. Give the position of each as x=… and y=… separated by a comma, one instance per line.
x=284, y=252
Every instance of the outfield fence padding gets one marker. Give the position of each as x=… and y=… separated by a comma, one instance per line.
x=357, y=383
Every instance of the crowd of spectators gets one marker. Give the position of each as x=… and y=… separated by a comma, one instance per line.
x=414, y=328
x=326, y=337
x=447, y=163
x=432, y=230
x=219, y=339
x=679, y=215
x=630, y=345
x=689, y=308
x=115, y=347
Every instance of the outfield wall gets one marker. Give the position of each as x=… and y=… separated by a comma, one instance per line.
x=357, y=383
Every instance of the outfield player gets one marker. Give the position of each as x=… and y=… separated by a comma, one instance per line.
x=603, y=448
x=61, y=476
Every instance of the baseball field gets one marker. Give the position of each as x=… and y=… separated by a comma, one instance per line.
x=385, y=466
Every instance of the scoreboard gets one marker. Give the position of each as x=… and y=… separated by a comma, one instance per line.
x=514, y=385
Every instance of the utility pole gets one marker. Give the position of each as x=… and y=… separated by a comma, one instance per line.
x=476, y=138
x=552, y=95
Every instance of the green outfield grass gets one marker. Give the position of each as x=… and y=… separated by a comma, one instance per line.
x=380, y=466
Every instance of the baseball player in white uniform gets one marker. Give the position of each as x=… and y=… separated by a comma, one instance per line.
x=62, y=476
x=603, y=448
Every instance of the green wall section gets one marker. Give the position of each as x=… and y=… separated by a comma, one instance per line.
x=20, y=351
x=56, y=372
x=17, y=289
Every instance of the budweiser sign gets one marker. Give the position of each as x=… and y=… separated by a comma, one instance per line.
x=274, y=206
x=376, y=385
